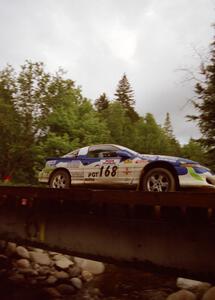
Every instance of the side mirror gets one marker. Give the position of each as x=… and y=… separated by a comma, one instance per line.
x=124, y=154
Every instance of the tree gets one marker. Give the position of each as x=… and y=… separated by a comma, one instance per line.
x=195, y=151
x=42, y=115
x=153, y=138
x=11, y=146
x=116, y=120
x=29, y=97
x=125, y=95
x=102, y=103
x=168, y=126
x=205, y=105
x=173, y=145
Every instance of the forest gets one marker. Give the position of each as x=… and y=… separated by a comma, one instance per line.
x=44, y=114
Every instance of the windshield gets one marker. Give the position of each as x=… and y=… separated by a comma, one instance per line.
x=129, y=150
x=72, y=154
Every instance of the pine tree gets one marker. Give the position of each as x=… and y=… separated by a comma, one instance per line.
x=101, y=103
x=173, y=145
x=168, y=126
x=205, y=104
x=125, y=95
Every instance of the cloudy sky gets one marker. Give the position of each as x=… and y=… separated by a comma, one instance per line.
x=96, y=41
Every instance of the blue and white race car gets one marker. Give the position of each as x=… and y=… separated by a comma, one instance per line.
x=108, y=165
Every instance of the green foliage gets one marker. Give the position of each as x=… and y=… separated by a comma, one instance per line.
x=116, y=122
x=150, y=136
x=205, y=105
x=173, y=146
x=168, y=126
x=101, y=103
x=195, y=151
x=125, y=95
x=45, y=115
x=42, y=115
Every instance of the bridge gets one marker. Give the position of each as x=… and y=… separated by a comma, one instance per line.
x=168, y=230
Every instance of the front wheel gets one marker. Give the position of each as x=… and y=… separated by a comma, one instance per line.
x=60, y=180
x=159, y=180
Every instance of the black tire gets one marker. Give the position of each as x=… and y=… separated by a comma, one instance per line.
x=159, y=180
x=60, y=179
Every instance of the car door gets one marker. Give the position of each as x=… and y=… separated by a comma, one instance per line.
x=100, y=165
x=74, y=165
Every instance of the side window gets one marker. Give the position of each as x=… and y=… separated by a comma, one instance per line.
x=107, y=154
x=94, y=153
x=100, y=151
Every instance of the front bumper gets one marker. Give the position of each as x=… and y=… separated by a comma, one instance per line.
x=193, y=178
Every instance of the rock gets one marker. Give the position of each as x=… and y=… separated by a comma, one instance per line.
x=52, y=293
x=61, y=275
x=32, y=281
x=52, y=253
x=3, y=272
x=28, y=271
x=17, y=278
x=182, y=295
x=58, y=256
x=79, y=261
x=76, y=282
x=86, y=275
x=197, y=287
x=210, y=294
x=44, y=270
x=201, y=289
x=66, y=289
x=23, y=263
x=36, y=266
x=10, y=249
x=87, y=296
x=41, y=278
x=63, y=263
x=184, y=283
x=51, y=279
x=3, y=245
x=4, y=261
x=96, y=292
x=40, y=258
x=22, y=252
x=94, y=267
x=74, y=271
x=38, y=250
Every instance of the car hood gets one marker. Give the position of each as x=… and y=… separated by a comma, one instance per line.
x=171, y=159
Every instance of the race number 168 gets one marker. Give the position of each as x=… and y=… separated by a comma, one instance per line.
x=108, y=171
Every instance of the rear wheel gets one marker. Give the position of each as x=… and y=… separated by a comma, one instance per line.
x=159, y=180
x=60, y=180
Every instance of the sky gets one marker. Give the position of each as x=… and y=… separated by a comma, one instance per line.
x=97, y=41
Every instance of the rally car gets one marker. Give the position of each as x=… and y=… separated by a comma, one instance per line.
x=108, y=165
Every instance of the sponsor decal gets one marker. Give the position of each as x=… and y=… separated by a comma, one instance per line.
x=128, y=161
x=196, y=176
x=140, y=161
x=93, y=174
x=109, y=161
x=126, y=171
